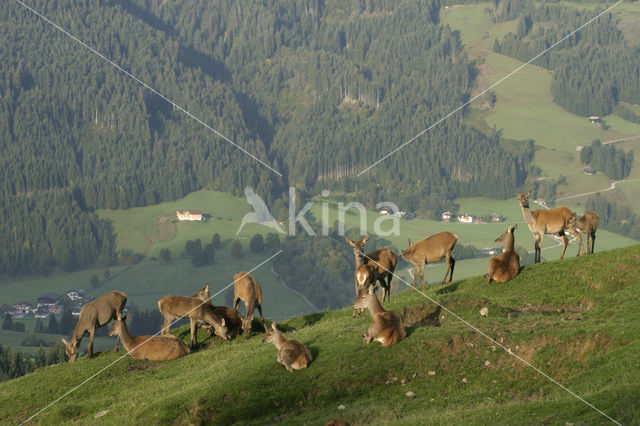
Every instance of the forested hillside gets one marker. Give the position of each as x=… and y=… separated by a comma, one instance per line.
x=595, y=69
x=317, y=89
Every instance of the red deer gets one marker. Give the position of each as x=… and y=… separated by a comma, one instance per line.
x=291, y=353
x=153, y=348
x=247, y=289
x=385, y=326
x=95, y=314
x=557, y=220
x=429, y=250
x=506, y=265
x=587, y=224
x=197, y=310
x=383, y=264
x=232, y=320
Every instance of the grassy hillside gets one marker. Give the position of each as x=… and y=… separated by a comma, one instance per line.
x=525, y=108
x=576, y=320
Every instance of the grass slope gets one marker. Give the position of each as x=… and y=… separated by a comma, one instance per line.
x=575, y=319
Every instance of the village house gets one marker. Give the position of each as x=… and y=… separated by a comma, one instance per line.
x=489, y=251
x=189, y=215
x=48, y=299
x=495, y=217
x=55, y=309
x=75, y=295
x=588, y=171
x=21, y=307
x=446, y=217
x=595, y=119
x=466, y=218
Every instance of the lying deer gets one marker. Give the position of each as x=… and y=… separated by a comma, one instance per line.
x=382, y=262
x=587, y=224
x=506, y=265
x=247, y=289
x=557, y=220
x=291, y=353
x=197, y=310
x=429, y=250
x=95, y=314
x=385, y=326
x=153, y=348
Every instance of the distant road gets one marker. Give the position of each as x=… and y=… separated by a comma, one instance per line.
x=612, y=186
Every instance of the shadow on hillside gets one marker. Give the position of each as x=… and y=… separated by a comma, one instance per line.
x=423, y=315
x=301, y=322
x=449, y=288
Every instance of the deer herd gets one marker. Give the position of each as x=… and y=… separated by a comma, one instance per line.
x=371, y=270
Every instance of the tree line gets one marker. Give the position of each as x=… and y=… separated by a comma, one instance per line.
x=594, y=70
x=319, y=90
x=613, y=162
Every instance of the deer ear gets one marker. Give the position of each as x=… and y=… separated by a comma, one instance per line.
x=273, y=325
x=222, y=322
x=64, y=341
x=515, y=226
x=409, y=241
x=366, y=238
x=371, y=289
x=125, y=317
x=518, y=193
x=206, y=287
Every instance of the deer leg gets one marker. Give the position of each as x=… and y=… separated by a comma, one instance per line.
x=117, y=342
x=536, y=243
x=453, y=265
x=92, y=334
x=261, y=317
x=421, y=276
x=194, y=330
x=565, y=240
x=593, y=242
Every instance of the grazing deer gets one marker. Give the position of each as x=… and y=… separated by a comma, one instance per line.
x=385, y=326
x=382, y=262
x=247, y=289
x=506, y=265
x=232, y=320
x=557, y=220
x=291, y=353
x=153, y=348
x=587, y=224
x=196, y=310
x=429, y=250
x=95, y=314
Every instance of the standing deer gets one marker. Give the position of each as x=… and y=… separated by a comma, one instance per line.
x=153, y=348
x=557, y=220
x=383, y=264
x=247, y=289
x=587, y=224
x=95, y=314
x=197, y=310
x=429, y=250
x=291, y=353
x=506, y=265
x=385, y=326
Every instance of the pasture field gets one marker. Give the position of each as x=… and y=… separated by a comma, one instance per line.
x=525, y=108
x=573, y=319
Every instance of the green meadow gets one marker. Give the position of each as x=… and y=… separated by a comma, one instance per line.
x=573, y=320
x=525, y=108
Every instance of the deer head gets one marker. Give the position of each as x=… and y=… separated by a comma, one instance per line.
x=271, y=334
x=407, y=252
x=362, y=299
x=116, y=327
x=246, y=325
x=523, y=199
x=510, y=230
x=358, y=245
x=221, y=329
x=71, y=349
